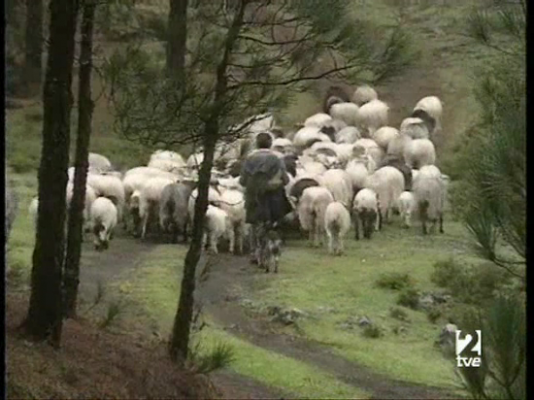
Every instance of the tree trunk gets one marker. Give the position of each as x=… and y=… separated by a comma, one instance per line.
x=85, y=113
x=176, y=42
x=44, y=319
x=179, y=344
x=34, y=46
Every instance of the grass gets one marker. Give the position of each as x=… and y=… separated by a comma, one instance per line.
x=20, y=246
x=154, y=286
x=281, y=371
x=310, y=279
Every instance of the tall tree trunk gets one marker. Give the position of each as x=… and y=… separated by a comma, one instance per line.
x=34, y=46
x=179, y=344
x=176, y=42
x=44, y=319
x=85, y=114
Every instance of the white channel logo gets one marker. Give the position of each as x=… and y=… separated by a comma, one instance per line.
x=462, y=343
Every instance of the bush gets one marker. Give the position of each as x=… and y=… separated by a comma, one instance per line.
x=409, y=298
x=399, y=313
x=433, y=314
x=221, y=356
x=470, y=284
x=395, y=281
x=372, y=331
x=503, y=372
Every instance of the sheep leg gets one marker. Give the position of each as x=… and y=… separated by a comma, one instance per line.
x=330, y=242
x=144, y=222
x=231, y=239
x=424, y=227
x=379, y=220
x=317, y=237
x=441, y=223
x=341, y=246
x=213, y=243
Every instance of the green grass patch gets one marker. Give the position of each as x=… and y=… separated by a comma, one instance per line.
x=155, y=286
x=22, y=237
x=281, y=371
x=311, y=280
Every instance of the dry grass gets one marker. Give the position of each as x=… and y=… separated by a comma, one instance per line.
x=92, y=364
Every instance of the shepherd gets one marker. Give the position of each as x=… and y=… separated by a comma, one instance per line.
x=263, y=175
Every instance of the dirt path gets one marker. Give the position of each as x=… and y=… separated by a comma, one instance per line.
x=222, y=305
x=113, y=265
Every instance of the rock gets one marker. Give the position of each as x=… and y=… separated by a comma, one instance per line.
x=286, y=316
x=273, y=310
x=247, y=303
x=426, y=301
x=364, y=321
x=447, y=336
x=440, y=298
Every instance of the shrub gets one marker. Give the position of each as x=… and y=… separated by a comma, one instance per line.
x=395, y=281
x=409, y=298
x=221, y=356
x=433, y=314
x=470, y=284
x=372, y=331
x=399, y=313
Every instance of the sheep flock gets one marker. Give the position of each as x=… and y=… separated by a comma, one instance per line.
x=347, y=168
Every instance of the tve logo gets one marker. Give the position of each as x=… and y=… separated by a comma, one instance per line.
x=462, y=343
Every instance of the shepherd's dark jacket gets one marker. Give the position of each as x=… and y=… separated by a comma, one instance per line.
x=264, y=176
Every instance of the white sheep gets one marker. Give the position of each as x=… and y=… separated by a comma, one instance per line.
x=348, y=135
x=419, y=152
x=337, y=224
x=311, y=211
x=282, y=145
x=414, y=128
x=108, y=186
x=99, y=162
x=366, y=213
x=346, y=112
x=371, y=116
x=167, y=155
x=215, y=227
x=345, y=153
x=214, y=197
x=149, y=200
x=433, y=107
x=317, y=120
x=233, y=202
x=397, y=146
x=388, y=183
x=364, y=94
x=311, y=168
x=90, y=197
x=167, y=165
x=308, y=135
x=407, y=206
x=429, y=193
x=103, y=220
x=339, y=183
x=173, y=204
x=358, y=172
x=371, y=147
x=384, y=136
